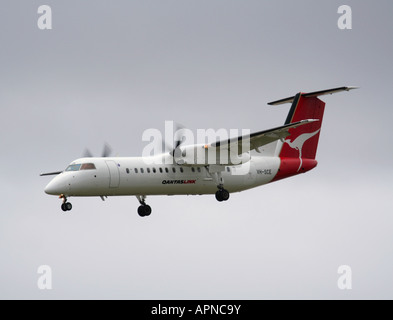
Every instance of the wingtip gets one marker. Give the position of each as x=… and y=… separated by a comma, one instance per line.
x=352, y=88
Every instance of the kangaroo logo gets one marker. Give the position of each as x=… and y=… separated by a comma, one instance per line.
x=298, y=143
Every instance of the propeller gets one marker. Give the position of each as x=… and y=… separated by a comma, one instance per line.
x=87, y=154
x=178, y=139
x=106, y=152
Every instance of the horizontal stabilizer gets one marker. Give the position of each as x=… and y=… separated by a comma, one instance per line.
x=312, y=94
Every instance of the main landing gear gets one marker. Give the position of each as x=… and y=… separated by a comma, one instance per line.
x=65, y=206
x=222, y=194
x=144, y=210
x=216, y=173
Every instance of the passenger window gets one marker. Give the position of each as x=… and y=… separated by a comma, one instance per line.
x=174, y=170
x=228, y=169
x=148, y=170
x=181, y=170
x=160, y=170
x=136, y=170
x=142, y=171
x=128, y=171
x=166, y=170
x=154, y=170
x=199, y=169
x=193, y=169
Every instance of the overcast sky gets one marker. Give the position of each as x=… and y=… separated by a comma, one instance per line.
x=109, y=70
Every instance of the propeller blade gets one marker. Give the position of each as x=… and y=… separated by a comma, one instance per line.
x=179, y=138
x=87, y=154
x=176, y=151
x=50, y=174
x=171, y=146
x=166, y=146
x=178, y=143
x=107, y=151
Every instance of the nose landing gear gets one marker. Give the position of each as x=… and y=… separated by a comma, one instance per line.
x=65, y=206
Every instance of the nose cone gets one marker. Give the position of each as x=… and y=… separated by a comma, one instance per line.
x=55, y=187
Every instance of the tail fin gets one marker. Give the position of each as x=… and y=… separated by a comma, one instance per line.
x=303, y=141
x=299, y=149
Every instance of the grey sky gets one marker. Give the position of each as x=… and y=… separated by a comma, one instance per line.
x=109, y=70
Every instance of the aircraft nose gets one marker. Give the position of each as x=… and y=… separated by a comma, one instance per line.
x=55, y=187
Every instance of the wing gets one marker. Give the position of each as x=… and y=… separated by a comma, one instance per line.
x=255, y=140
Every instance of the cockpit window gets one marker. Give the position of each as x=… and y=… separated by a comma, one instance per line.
x=88, y=166
x=73, y=167
x=84, y=166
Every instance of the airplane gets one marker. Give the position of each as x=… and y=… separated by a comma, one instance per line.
x=266, y=156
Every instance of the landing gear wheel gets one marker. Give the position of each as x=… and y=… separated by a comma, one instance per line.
x=144, y=210
x=147, y=210
x=219, y=196
x=66, y=206
x=141, y=211
x=225, y=195
x=222, y=195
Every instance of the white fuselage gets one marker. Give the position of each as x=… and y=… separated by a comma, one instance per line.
x=141, y=176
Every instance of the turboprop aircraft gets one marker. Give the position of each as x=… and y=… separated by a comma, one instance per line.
x=220, y=168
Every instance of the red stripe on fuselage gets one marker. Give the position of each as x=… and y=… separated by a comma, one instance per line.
x=291, y=166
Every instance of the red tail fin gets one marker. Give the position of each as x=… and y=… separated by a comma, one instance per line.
x=303, y=141
x=299, y=149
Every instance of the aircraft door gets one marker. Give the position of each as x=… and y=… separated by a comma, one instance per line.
x=250, y=177
x=114, y=174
